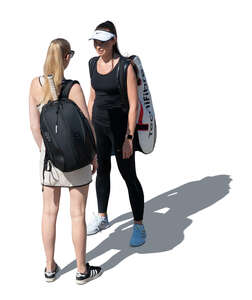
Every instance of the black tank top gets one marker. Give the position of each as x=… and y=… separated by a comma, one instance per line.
x=107, y=95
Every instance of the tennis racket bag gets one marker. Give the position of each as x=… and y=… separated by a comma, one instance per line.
x=146, y=130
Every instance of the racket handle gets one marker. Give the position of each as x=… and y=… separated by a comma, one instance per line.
x=52, y=87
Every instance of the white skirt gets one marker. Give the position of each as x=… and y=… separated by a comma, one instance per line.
x=56, y=177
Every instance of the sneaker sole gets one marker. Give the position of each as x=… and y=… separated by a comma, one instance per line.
x=92, y=233
x=137, y=245
x=89, y=279
x=50, y=279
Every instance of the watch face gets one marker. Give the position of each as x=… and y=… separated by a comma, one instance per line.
x=129, y=137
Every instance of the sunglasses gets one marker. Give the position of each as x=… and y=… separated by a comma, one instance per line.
x=71, y=53
x=100, y=43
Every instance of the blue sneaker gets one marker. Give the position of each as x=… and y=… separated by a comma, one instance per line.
x=138, y=236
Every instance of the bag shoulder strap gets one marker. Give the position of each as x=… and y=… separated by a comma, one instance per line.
x=91, y=64
x=41, y=80
x=123, y=64
x=66, y=87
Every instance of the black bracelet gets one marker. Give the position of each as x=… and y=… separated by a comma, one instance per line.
x=130, y=137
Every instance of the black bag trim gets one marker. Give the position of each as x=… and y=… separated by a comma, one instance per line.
x=66, y=87
x=92, y=62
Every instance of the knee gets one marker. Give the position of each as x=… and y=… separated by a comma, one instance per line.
x=77, y=213
x=133, y=183
x=51, y=210
x=129, y=177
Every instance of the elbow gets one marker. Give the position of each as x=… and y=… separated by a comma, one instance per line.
x=133, y=107
x=35, y=128
x=91, y=102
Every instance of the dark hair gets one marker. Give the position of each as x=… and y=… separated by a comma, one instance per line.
x=108, y=25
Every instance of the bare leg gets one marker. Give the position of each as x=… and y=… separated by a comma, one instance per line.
x=78, y=197
x=51, y=199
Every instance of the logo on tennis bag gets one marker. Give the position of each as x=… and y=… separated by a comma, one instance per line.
x=146, y=123
x=68, y=138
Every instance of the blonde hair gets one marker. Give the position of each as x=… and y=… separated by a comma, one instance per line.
x=55, y=64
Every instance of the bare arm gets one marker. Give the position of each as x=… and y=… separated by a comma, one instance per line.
x=127, y=148
x=133, y=100
x=34, y=113
x=91, y=101
x=77, y=96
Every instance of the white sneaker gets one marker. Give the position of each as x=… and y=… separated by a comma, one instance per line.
x=98, y=223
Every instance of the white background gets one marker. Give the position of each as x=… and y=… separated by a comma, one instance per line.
x=197, y=57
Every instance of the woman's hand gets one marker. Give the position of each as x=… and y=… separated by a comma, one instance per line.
x=94, y=163
x=127, y=148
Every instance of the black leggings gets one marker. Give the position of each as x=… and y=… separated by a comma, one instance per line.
x=105, y=144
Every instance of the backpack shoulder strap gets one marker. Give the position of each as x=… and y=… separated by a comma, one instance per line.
x=41, y=80
x=66, y=87
x=123, y=64
x=91, y=64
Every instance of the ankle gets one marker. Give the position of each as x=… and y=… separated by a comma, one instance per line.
x=138, y=222
x=103, y=215
x=82, y=269
x=50, y=266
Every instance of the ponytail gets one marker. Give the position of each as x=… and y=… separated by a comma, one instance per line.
x=54, y=64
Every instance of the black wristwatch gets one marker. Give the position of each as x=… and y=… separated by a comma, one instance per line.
x=130, y=137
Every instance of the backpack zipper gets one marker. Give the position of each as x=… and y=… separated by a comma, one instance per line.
x=56, y=126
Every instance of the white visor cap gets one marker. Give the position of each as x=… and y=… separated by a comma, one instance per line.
x=102, y=35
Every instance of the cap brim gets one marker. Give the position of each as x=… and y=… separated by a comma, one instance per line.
x=102, y=36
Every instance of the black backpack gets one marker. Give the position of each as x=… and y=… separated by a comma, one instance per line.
x=68, y=138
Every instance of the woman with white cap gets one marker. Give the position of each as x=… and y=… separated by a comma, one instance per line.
x=114, y=128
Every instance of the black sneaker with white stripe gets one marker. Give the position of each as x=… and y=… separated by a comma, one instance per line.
x=50, y=276
x=91, y=273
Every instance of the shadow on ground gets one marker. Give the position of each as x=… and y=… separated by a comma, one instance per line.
x=165, y=229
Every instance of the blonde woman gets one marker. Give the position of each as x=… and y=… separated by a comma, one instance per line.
x=57, y=59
